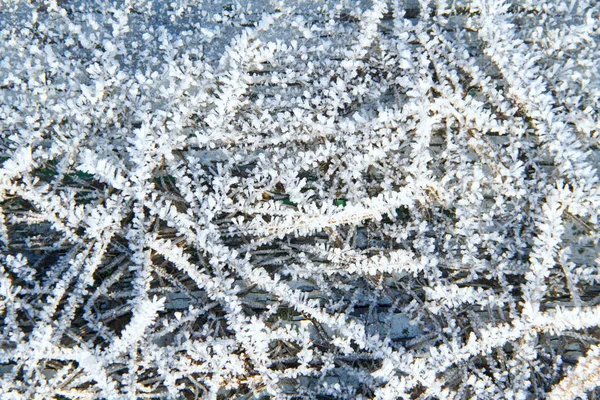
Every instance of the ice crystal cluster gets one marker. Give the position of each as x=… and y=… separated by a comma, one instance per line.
x=300, y=199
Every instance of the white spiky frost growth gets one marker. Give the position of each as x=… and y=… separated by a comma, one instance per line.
x=328, y=199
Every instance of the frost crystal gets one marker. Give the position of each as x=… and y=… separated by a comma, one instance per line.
x=347, y=199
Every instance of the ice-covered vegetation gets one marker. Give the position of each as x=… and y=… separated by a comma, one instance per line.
x=299, y=199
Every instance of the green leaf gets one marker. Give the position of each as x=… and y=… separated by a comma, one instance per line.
x=287, y=202
x=83, y=175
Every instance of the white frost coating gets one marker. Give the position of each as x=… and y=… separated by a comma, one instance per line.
x=348, y=199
